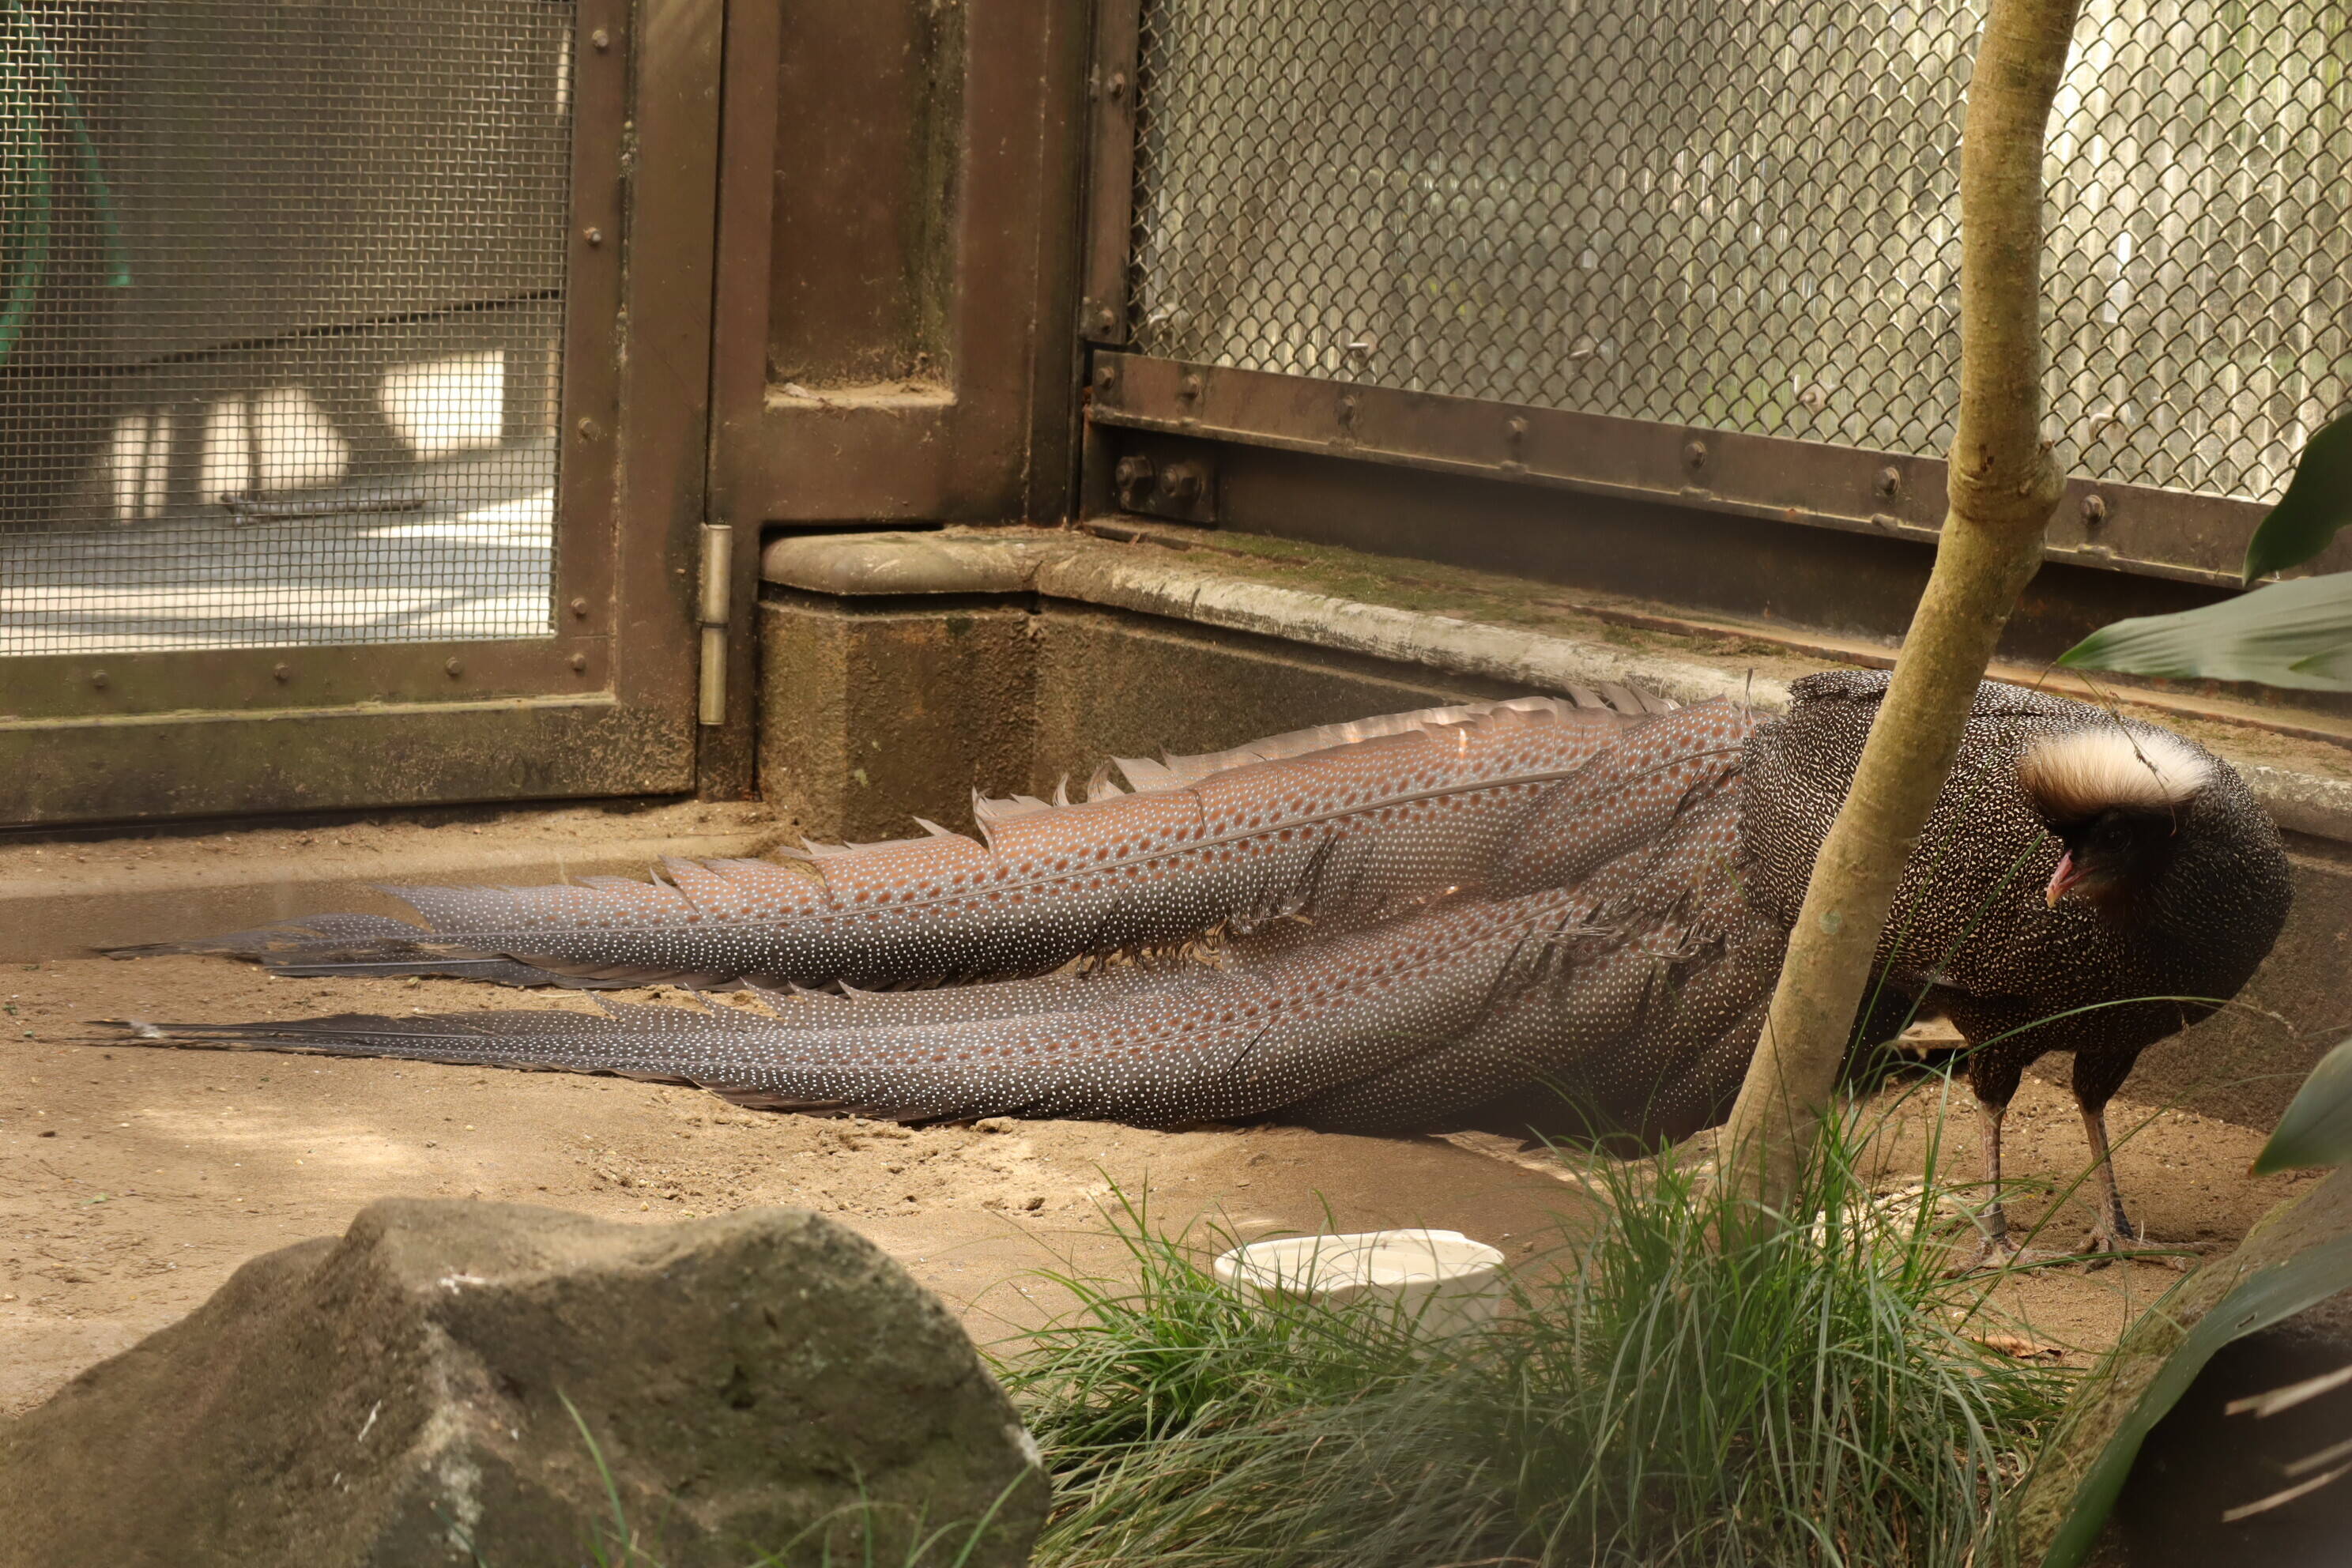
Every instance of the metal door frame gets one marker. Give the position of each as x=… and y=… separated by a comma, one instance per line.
x=992, y=441
x=605, y=706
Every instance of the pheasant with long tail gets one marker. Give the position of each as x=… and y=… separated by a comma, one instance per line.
x=1527, y=916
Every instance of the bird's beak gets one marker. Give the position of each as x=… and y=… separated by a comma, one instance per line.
x=2062, y=879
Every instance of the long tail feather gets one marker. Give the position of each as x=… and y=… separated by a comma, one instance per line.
x=1390, y=812
x=1625, y=999
x=1205, y=1044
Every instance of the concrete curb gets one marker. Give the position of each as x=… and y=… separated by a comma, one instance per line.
x=1095, y=571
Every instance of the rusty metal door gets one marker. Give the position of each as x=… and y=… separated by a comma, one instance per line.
x=353, y=370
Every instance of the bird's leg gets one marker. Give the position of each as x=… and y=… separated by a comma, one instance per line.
x=2111, y=1228
x=1995, y=1249
x=2113, y=1235
x=1994, y=1075
x=2097, y=1075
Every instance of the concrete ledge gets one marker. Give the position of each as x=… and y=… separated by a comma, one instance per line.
x=1156, y=582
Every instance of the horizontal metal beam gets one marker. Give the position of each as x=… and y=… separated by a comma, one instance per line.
x=142, y=768
x=2129, y=528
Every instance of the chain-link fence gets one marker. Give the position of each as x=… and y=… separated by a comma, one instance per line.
x=1743, y=216
x=281, y=300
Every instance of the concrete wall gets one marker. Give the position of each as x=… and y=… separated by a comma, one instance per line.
x=876, y=712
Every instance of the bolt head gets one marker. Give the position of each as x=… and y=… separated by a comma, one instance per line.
x=1189, y=387
x=579, y=609
x=579, y=661
x=1118, y=86
x=594, y=235
x=283, y=672
x=1695, y=455
x=2094, y=509
x=1106, y=377
x=97, y=678
x=455, y=668
x=602, y=39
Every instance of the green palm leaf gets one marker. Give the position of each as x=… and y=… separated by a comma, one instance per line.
x=2317, y=503
x=2297, y=634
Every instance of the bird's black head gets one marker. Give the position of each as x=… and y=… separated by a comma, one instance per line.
x=2117, y=799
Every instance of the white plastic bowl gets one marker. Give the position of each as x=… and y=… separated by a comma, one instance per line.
x=1441, y=1281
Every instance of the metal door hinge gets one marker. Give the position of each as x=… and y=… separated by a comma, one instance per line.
x=716, y=604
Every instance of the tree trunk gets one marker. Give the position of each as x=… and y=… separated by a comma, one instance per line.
x=2003, y=488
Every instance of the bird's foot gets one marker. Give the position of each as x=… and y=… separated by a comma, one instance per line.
x=2113, y=1239
x=1996, y=1252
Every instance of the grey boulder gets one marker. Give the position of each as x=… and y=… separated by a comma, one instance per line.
x=764, y=1382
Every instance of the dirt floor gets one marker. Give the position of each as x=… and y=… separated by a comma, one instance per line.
x=133, y=1180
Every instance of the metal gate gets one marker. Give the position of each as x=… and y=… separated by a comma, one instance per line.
x=1703, y=256
x=353, y=369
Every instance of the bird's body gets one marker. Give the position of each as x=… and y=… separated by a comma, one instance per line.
x=1527, y=916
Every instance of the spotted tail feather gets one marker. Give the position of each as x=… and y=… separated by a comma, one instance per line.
x=1388, y=812
x=1205, y=1043
x=1625, y=998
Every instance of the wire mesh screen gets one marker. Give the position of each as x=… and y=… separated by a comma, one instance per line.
x=1744, y=216
x=281, y=297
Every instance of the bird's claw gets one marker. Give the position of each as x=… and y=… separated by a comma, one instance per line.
x=1994, y=1254
x=2110, y=1243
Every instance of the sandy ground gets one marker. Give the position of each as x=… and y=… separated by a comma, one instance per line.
x=133, y=1180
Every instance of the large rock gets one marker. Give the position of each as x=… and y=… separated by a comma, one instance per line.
x=2199, y=1462
x=398, y=1399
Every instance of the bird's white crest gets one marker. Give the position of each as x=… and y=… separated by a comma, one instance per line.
x=2085, y=772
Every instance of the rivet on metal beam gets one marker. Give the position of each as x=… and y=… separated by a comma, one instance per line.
x=1695, y=455
x=1107, y=378
x=602, y=39
x=97, y=678
x=1889, y=481
x=1118, y=87
x=579, y=609
x=592, y=235
x=589, y=429
x=455, y=668
x=2094, y=509
x=1105, y=319
x=1348, y=412
x=579, y=661
x=1515, y=437
x=1187, y=387
x=282, y=673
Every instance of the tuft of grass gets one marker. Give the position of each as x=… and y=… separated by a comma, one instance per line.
x=1806, y=1394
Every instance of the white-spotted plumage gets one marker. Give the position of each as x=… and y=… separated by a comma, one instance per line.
x=1514, y=915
